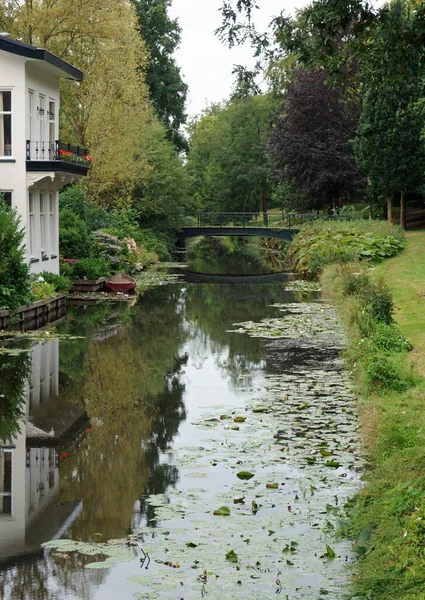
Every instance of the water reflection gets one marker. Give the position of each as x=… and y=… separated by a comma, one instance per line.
x=30, y=508
x=101, y=414
x=234, y=256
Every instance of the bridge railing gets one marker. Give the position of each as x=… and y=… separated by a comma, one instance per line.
x=284, y=220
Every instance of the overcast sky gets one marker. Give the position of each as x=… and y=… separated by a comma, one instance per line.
x=207, y=64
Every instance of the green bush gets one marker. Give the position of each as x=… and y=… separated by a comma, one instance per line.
x=327, y=242
x=42, y=290
x=73, y=237
x=15, y=278
x=73, y=198
x=60, y=282
x=67, y=270
x=388, y=338
x=160, y=243
x=386, y=373
x=377, y=301
x=91, y=268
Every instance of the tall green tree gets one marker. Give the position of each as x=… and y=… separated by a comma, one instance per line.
x=228, y=158
x=168, y=91
x=389, y=143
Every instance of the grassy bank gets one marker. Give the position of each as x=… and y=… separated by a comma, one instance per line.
x=388, y=519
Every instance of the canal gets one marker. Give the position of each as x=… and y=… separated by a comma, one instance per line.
x=201, y=443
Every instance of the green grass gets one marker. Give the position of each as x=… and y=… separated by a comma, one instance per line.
x=405, y=275
x=391, y=506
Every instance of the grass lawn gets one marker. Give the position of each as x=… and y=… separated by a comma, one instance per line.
x=405, y=274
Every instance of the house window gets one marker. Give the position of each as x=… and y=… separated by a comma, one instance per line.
x=5, y=482
x=32, y=224
x=44, y=241
x=52, y=129
x=41, y=113
x=30, y=112
x=7, y=197
x=5, y=123
x=52, y=219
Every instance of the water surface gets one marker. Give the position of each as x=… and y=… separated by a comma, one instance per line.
x=130, y=431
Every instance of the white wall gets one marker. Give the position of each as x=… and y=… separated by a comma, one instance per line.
x=13, y=174
x=20, y=75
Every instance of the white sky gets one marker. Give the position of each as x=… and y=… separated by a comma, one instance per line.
x=207, y=64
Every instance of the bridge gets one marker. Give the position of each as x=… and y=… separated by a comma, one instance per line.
x=243, y=224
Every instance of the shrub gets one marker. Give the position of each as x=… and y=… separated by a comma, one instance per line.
x=160, y=243
x=377, y=300
x=326, y=242
x=388, y=338
x=73, y=198
x=386, y=373
x=60, y=282
x=91, y=268
x=73, y=238
x=14, y=272
x=110, y=248
x=42, y=290
x=67, y=270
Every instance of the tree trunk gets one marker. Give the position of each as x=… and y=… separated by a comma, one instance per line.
x=402, y=211
x=265, y=212
x=390, y=208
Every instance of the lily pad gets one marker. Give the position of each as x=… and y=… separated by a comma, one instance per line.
x=232, y=556
x=244, y=475
x=223, y=511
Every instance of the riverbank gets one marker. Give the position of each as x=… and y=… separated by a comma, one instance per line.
x=388, y=521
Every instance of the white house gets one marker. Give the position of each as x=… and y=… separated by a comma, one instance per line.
x=34, y=163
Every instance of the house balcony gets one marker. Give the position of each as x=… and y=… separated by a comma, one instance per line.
x=55, y=157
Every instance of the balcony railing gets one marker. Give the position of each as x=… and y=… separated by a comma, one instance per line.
x=56, y=151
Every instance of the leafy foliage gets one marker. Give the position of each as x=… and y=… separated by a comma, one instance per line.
x=323, y=243
x=14, y=374
x=14, y=270
x=73, y=237
x=90, y=268
x=310, y=143
x=42, y=290
x=167, y=89
x=228, y=161
x=59, y=282
x=389, y=144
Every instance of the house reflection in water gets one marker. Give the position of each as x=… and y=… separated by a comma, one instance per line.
x=30, y=510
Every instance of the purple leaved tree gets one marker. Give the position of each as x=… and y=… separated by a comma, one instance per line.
x=310, y=145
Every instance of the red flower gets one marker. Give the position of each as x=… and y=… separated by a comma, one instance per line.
x=70, y=261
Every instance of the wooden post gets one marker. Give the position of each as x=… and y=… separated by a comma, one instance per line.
x=402, y=211
x=390, y=208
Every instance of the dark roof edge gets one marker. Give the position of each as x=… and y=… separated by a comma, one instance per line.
x=16, y=47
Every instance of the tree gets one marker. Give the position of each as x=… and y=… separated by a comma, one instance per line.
x=389, y=145
x=164, y=194
x=310, y=143
x=168, y=91
x=14, y=270
x=107, y=112
x=228, y=160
